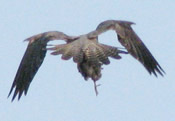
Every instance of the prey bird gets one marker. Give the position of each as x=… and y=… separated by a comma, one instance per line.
x=86, y=51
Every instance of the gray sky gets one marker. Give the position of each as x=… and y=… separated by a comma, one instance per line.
x=127, y=91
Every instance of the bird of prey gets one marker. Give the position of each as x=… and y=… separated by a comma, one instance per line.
x=87, y=52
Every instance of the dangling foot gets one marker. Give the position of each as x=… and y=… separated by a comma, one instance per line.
x=95, y=87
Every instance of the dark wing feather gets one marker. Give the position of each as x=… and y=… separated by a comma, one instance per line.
x=139, y=51
x=30, y=64
x=32, y=60
x=129, y=39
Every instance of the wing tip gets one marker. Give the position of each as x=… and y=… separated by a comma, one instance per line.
x=157, y=70
x=16, y=92
x=160, y=71
x=11, y=90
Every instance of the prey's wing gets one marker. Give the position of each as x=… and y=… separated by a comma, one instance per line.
x=32, y=60
x=129, y=39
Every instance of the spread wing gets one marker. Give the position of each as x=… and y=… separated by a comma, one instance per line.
x=32, y=60
x=129, y=39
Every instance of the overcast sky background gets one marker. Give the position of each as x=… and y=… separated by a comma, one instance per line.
x=58, y=92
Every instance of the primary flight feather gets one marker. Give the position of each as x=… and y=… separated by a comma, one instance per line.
x=85, y=50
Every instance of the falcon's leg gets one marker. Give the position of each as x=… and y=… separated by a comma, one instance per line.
x=95, y=87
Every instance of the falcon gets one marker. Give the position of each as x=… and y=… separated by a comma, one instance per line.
x=85, y=50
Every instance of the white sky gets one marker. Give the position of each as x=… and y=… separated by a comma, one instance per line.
x=58, y=92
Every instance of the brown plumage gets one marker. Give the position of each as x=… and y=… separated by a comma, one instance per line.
x=85, y=50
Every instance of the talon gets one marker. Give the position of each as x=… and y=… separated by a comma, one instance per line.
x=95, y=88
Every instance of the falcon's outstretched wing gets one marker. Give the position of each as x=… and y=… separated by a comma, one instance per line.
x=32, y=60
x=129, y=39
